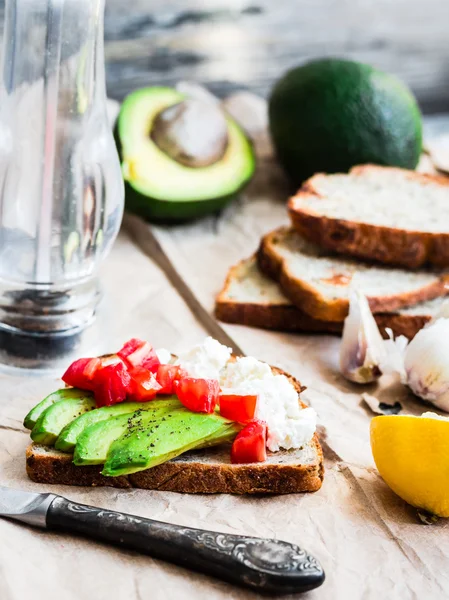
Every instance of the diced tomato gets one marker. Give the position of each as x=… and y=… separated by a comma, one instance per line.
x=112, y=384
x=81, y=373
x=198, y=395
x=237, y=407
x=137, y=353
x=144, y=386
x=250, y=444
x=166, y=376
x=110, y=359
x=91, y=368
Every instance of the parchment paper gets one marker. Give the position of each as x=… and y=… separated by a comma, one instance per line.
x=368, y=540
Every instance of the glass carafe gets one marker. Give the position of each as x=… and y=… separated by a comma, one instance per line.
x=61, y=190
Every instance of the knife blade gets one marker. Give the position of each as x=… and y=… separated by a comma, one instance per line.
x=265, y=565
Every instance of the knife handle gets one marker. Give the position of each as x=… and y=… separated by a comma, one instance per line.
x=264, y=565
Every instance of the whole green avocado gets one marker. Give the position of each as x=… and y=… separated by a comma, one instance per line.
x=331, y=114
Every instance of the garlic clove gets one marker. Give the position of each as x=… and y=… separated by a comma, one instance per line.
x=249, y=110
x=426, y=364
x=443, y=312
x=251, y=113
x=196, y=91
x=393, y=359
x=362, y=347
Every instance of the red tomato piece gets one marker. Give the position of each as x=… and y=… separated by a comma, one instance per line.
x=110, y=359
x=137, y=353
x=238, y=408
x=81, y=373
x=144, y=386
x=198, y=395
x=112, y=384
x=166, y=376
x=250, y=444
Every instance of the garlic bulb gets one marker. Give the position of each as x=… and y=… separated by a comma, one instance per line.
x=362, y=348
x=426, y=364
x=443, y=311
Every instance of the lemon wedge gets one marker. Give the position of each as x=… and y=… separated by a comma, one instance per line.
x=412, y=456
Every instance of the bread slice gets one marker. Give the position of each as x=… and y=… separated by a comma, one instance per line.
x=206, y=471
x=251, y=298
x=390, y=215
x=200, y=472
x=320, y=284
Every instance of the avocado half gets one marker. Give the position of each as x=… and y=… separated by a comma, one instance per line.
x=160, y=188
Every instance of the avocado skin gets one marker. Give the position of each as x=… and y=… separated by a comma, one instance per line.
x=30, y=420
x=53, y=420
x=171, y=212
x=332, y=114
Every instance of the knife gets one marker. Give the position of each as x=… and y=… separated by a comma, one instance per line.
x=264, y=565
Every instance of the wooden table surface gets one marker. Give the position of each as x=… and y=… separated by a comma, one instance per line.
x=250, y=43
x=160, y=284
x=228, y=44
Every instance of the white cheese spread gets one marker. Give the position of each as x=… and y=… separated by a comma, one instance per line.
x=205, y=360
x=163, y=355
x=289, y=425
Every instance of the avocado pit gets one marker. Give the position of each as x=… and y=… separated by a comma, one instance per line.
x=192, y=132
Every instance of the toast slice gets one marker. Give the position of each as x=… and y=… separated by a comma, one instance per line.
x=206, y=471
x=320, y=284
x=390, y=215
x=251, y=298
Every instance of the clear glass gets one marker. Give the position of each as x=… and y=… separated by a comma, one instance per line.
x=61, y=189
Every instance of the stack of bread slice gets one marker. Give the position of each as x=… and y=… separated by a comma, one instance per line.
x=381, y=230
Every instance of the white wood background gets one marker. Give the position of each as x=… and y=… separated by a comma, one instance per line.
x=250, y=43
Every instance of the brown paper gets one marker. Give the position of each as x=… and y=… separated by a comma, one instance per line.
x=369, y=541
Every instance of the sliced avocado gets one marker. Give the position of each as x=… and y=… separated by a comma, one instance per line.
x=182, y=430
x=221, y=436
x=69, y=435
x=64, y=394
x=54, y=418
x=93, y=443
x=160, y=187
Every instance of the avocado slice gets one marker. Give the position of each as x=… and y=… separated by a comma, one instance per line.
x=69, y=435
x=64, y=394
x=160, y=188
x=180, y=431
x=54, y=418
x=93, y=443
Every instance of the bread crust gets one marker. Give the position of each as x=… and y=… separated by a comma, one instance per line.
x=280, y=317
x=309, y=299
x=388, y=245
x=273, y=317
x=189, y=476
x=289, y=318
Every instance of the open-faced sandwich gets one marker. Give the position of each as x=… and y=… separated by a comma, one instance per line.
x=205, y=421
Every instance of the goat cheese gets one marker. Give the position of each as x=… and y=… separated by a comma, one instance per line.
x=163, y=355
x=205, y=360
x=289, y=425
